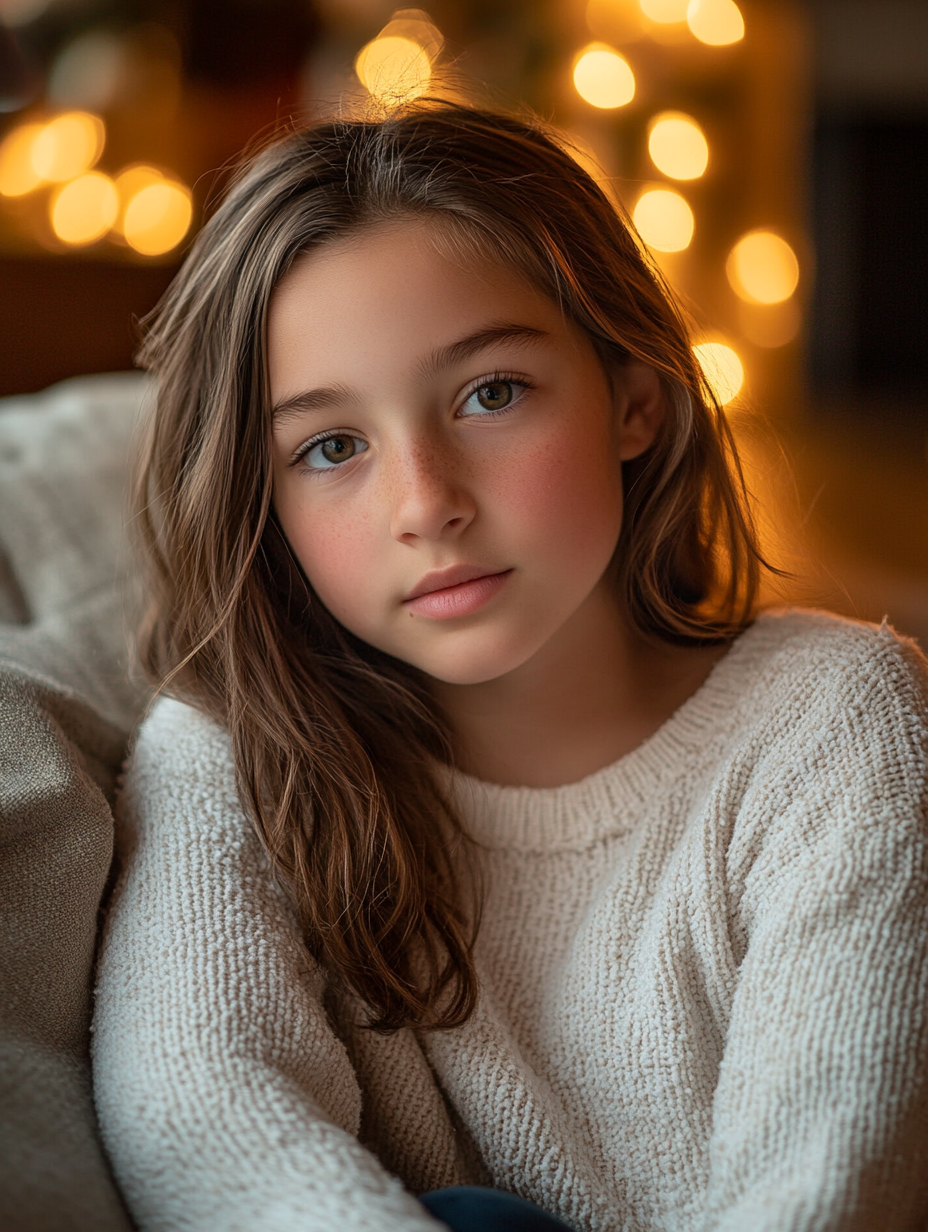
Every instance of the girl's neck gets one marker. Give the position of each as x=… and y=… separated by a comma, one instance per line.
x=595, y=692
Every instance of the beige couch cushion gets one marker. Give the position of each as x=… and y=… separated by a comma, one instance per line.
x=67, y=706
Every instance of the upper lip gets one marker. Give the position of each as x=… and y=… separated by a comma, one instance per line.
x=456, y=575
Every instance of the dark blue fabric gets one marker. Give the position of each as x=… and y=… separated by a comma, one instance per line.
x=468, y=1208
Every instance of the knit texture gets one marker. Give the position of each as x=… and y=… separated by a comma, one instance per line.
x=703, y=971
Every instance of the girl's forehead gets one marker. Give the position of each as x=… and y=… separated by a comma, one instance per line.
x=410, y=267
x=452, y=245
x=388, y=297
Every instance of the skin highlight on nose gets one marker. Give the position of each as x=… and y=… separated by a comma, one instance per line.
x=427, y=494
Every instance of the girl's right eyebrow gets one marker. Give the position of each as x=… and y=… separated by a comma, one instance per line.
x=323, y=398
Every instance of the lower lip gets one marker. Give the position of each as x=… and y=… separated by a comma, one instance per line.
x=459, y=600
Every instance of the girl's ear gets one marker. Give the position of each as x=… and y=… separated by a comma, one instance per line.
x=640, y=407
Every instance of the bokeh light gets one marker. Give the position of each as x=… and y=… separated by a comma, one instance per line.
x=722, y=368
x=678, y=146
x=603, y=78
x=664, y=12
x=157, y=218
x=17, y=174
x=85, y=209
x=68, y=146
x=715, y=22
x=394, y=69
x=664, y=220
x=762, y=268
x=129, y=183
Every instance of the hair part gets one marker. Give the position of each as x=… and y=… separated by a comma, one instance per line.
x=337, y=746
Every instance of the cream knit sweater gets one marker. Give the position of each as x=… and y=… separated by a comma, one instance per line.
x=704, y=975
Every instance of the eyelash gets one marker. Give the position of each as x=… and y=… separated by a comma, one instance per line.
x=508, y=378
x=491, y=379
x=318, y=439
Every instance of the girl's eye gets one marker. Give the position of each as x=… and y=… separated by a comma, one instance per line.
x=332, y=451
x=492, y=396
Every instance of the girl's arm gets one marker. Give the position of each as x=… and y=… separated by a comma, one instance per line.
x=225, y=1100
x=821, y=1112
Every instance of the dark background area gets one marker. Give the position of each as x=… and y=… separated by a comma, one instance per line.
x=868, y=336
x=870, y=319
x=63, y=318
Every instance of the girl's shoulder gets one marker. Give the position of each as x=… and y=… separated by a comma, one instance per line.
x=171, y=722
x=822, y=700
x=176, y=736
x=805, y=653
x=170, y=718
x=181, y=766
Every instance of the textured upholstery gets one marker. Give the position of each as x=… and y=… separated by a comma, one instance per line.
x=67, y=706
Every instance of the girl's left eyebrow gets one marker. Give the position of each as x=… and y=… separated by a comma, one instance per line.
x=326, y=397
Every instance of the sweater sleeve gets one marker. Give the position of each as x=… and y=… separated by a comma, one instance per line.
x=225, y=1099
x=820, y=1118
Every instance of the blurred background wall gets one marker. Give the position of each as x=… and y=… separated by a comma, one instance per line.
x=773, y=154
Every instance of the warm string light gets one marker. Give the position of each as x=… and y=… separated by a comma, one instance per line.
x=17, y=174
x=762, y=268
x=715, y=22
x=61, y=149
x=664, y=220
x=67, y=146
x=157, y=218
x=130, y=181
x=678, y=146
x=722, y=367
x=603, y=78
x=394, y=69
x=150, y=211
x=397, y=65
x=84, y=209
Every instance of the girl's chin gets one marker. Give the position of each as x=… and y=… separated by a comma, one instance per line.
x=461, y=677
x=478, y=667
x=483, y=650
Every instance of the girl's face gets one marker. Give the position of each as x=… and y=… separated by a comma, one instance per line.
x=446, y=450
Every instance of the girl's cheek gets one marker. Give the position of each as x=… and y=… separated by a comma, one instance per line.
x=335, y=549
x=560, y=494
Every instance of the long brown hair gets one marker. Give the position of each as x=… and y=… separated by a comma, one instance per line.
x=335, y=744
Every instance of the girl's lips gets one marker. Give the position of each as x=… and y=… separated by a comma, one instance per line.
x=460, y=600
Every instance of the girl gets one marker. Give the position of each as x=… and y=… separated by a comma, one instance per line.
x=484, y=836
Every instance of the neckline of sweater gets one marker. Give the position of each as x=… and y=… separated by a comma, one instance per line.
x=612, y=800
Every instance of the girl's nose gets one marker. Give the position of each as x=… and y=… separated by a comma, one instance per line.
x=429, y=499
